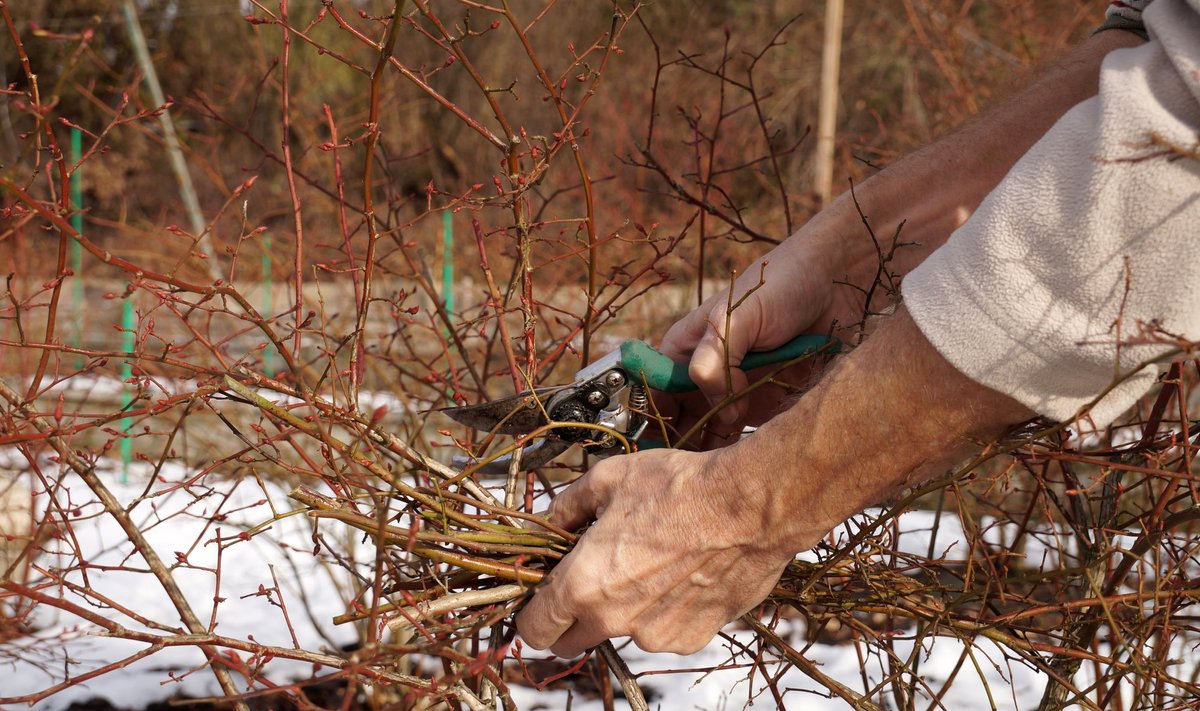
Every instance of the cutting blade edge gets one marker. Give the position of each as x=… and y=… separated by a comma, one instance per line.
x=515, y=415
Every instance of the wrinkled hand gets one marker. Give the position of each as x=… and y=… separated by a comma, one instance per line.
x=679, y=549
x=789, y=292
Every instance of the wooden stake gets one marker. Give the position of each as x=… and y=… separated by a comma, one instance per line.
x=831, y=56
x=187, y=191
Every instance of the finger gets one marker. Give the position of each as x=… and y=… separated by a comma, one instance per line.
x=684, y=640
x=714, y=370
x=598, y=617
x=589, y=494
x=546, y=617
x=662, y=629
x=577, y=640
x=681, y=622
x=695, y=638
x=682, y=337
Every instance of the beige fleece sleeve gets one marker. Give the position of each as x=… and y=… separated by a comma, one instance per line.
x=1055, y=287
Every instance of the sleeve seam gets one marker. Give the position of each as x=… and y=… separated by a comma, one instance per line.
x=1117, y=22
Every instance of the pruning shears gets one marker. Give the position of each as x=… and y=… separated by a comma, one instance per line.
x=604, y=407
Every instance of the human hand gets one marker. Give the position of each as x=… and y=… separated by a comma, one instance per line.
x=686, y=541
x=679, y=548
x=790, y=291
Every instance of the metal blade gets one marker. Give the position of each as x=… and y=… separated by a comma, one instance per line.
x=532, y=457
x=517, y=415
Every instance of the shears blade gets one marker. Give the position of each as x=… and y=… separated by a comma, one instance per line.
x=513, y=416
x=532, y=456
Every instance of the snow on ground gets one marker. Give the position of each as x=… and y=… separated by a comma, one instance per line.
x=731, y=690
x=178, y=523
x=100, y=387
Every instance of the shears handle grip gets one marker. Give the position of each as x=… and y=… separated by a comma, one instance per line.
x=644, y=363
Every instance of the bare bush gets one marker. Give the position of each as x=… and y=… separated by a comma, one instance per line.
x=290, y=407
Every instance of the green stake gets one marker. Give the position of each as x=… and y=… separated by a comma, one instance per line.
x=76, y=249
x=448, y=262
x=128, y=324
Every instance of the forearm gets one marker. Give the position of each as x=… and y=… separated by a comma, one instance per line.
x=935, y=189
x=932, y=191
x=889, y=415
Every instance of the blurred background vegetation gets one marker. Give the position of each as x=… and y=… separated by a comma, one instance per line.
x=911, y=71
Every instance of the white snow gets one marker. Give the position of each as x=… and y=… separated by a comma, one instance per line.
x=175, y=523
x=178, y=520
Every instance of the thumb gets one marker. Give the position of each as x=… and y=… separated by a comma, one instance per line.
x=714, y=369
x=682, y=337
x=584, y=499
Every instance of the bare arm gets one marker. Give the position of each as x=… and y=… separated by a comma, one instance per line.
x=933, y=191
x=937, y=187
x=685, y=542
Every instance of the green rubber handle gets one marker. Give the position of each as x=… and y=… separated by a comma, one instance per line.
x=642, y=361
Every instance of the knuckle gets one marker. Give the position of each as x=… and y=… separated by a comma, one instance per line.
x=605, y=476
x=610, y=626
x=574, y=502
x=554, y=607
x=693, y=642
x=593, y=601
x=531, y=635
x=587, y=599
x=680, y=338
x=704, y=368
x=687, y=649
x=560, y=507
x=715, y=320
x=674, y=635
x=652, y=643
